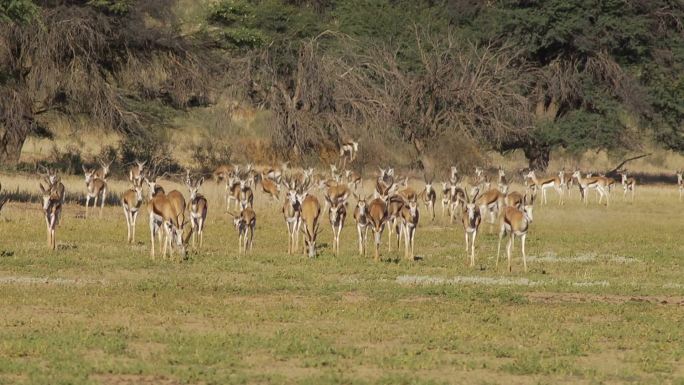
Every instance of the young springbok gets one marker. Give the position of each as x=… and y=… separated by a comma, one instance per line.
x=131, y=201
x=292, y=214
x=515, y=223
x=52, y=208
x=377, y=214
x=409, y=218
x=362, y=221
x=96, y=187
x=310, y=212
x=245, y=224
x=337, y=213
x=471, y=218
x=628, y=184
x=198, y=211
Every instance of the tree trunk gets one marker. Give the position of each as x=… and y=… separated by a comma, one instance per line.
x=11, y=144
x=538, y=156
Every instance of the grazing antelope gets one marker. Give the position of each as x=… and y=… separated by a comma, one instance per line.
x=377, y=214
x=547, y=183
x=680, y=183
x=96, y=187
x=269, y=186
x=429, y=197
x=164, y=213
x=491, y=203
x=198, y=210
x=103, y=171
x=362, y=221
x=394, y=203
x=245, y=223
x=470, y=218
x=136, y=172
x=597, y=183
x=514, y=199
x=310, y=212
x=337, y=213
x=292, y=214
x=515, y=222
x=131, y=201
x=52, y=208
x=409, y=218
x=628, y=184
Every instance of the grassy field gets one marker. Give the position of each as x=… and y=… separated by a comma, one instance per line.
x=603, y=302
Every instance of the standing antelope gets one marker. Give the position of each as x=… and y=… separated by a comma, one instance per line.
x=96, y=187
x=409, y=217
x=136, y=172
x=394, y=203
x=471, y=219
x=491, y=203
x=377, y=213
x=54, y=183
x=292, y=214
x=52, y=208
x=446, y=198
x=103, y=171
x=131, y=201
x=198, y=210
x=348, y=150
x=362, y=221
x=514, y=199
x=596, y=182
x=453, y=175
x=547, y=183
x=429, y=197
x=502, y=178
x=245, y=223
x=233, y=190
x=310, y=212
x=628, y=184
x=515, y=223
x=337, y=214
x=246, y=194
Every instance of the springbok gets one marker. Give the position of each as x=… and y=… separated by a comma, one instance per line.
x=310, y=212
x=292, y=214
x=337, y=213
x=54, y=183
x=245, y=223
x=394, y=203
x=198, y=211
x=470, y=218
x=377, y=214
x=103, y=171
x=515, y=223
x=246, y=194
x=348, y=150
x=429, y=197
x=628, y=184
x=52, y=208
x=96, y=187
x=514, y=199
x=409, y=218
x=547, y=183
x=596, y=182
x=362, y=221
x=164, y=213
x=136, y=172
x=269, y=186
x=490, y=203
x=131, y=201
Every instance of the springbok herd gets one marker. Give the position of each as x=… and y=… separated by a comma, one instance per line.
x=393, y=205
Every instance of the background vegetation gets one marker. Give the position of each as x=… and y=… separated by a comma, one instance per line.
x=435, y=79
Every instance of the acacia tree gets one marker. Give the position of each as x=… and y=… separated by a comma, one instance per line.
x=97, y=60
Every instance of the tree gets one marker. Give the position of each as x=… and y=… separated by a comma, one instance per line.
x=98, y=61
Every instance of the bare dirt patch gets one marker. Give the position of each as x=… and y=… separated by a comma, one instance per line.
x=132, y=379
x=551, y=297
